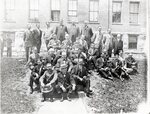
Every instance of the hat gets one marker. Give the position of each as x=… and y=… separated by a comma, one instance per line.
x=48, y=65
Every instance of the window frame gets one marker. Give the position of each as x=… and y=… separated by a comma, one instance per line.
x=91, y=21
x=5, y=12
x=132, y=35
x=33, y=20
x=72, y=16
x=51, y=10
x=117, y=12
x=134, y=12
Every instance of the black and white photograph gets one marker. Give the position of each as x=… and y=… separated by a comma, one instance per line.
x=74, y=57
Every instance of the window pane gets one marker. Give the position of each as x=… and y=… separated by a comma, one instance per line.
x=34, y=4
x=134, y=7
x=91, y=16
x=93, y=5
x=95, y=16
x=133, y=18
x=10, y=4
x=117, y=6
x=36, y=15
x=55, y=4
x=72, y=5
x=132, y=42
x=72, y=13
x=31, y=14
x=116, y=18
x=55, y=15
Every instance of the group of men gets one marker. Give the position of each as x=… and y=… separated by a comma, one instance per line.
x=72, y=55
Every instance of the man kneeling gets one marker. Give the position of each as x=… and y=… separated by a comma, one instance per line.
x=48, y=82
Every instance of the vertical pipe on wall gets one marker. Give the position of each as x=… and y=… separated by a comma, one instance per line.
x=108, y=13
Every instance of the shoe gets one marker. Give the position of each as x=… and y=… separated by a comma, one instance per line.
x=43, y=100
x=68, y=99
x=31, y=92
x=62, y=99
x=88, y=95
x=51, y=100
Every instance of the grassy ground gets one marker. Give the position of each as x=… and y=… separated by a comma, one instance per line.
x=111, y=97
x=108, y=96
x=14, y=89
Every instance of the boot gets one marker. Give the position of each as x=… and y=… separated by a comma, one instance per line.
x=62, y=97
x=31, y=90
x=43, y=98
x=68, y=98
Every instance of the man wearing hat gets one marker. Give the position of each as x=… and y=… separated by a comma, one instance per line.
x=80, y=74
x=37, y=34
x=87, y=31
x=74, y=32
x=131, y=64
x=117, y=44
x=67, y=42
x=66, y=82
x=48, y=33
x=108, y=42
x=48, y=82
x=28, y=41
x=61, y=30
x=97, y=39
x=50, y=56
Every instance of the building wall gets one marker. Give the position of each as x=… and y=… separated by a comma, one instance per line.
x=104, y=19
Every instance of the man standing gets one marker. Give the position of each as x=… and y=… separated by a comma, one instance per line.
x=1, y=43
x=48, y=33
x=74, y=32
x=9, y=46
x=108, y=42
x=37, y=34
x=97, y=39
x=118, y=45
x=87, y=31
x=60, y=31
x=28, y=40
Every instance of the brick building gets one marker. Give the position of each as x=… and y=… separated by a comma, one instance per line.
x=127, y=17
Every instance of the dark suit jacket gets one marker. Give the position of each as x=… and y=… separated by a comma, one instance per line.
x=37, y=37
x=117, y=45
x=87, y=31
x=60, y=32
x=74, y=33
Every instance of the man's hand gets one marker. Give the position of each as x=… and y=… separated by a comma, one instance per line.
x=63, y=88
x=73, y=87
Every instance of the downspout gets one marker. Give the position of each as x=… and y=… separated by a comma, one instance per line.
x=108, y=13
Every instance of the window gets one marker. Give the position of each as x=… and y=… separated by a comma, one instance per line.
x=132, y=41
x=134, y=12
x=116, y=12
x=9, y=10
x=34, y=10
x=93, y=11
x=55, y=10
x=72, y=10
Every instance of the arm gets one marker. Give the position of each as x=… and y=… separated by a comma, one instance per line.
x=53, y=80
x=66, y=30
x=42, y=78
x=24, y=36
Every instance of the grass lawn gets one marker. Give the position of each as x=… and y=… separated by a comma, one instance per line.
x=111, y=97
x=14, y=87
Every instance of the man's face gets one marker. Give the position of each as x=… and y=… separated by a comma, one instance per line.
x=29, y=27
x=99, y=29
x=38, y=26
x=35, y=51
x=109, y=31
x=67, y=37
x=61, y=22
